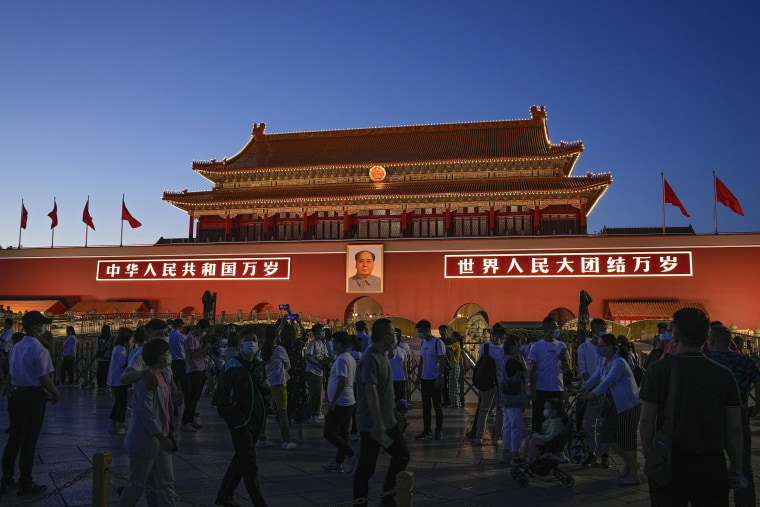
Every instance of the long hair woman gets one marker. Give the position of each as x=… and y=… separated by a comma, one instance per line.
x=119, y=390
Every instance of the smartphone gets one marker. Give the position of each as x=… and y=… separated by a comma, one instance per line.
x=291, y=315
x=284, y=307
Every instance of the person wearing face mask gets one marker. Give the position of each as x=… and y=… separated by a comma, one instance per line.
x=550, y=427
x=120, y=391
x=341, y=404
x=548, y=360
x=195, y=366
x=30, y=369
x=150, y=439
x=614, y=380
x=316, y=353
x=432, y=357
x=374, y=416
x=589, y=361
x=240, y=403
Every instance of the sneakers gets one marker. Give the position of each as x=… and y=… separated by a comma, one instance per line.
x=121, y=429
x=425, y=435
x=333, y=467
x=628, y=481
x=189, y=428
x=606, y=461
x=517, y=461
x=314, y=421
x=196, y=425
x=31, y=489
x=350, y=464
x=289, y=445
x=439, y=435
x=264, y=443
x=591, y=458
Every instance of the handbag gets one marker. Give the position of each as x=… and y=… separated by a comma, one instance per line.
x=659, y=463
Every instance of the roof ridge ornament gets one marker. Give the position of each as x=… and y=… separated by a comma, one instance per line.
x=537, y=113
x=258, y=131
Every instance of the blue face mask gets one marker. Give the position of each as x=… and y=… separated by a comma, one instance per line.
x=422, y=335
x=666, y=337
x=555, y=334
x=249, y=348
x=600, y=351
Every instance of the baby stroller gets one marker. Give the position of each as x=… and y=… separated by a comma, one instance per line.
x=546, y=463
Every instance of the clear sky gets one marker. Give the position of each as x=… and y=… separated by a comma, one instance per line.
x=104, y=98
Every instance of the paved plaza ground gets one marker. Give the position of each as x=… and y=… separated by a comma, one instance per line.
x=448, y=472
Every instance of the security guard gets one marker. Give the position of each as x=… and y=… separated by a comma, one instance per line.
x=30, y=369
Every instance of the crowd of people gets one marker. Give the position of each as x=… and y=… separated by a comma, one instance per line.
x=355, y=387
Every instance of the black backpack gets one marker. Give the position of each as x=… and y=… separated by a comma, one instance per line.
x=484, y=374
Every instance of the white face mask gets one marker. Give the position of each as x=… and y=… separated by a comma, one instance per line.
x=167, y=362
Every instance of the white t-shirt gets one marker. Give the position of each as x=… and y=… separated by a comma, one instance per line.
x=429, y=352
x=29, y=360
x=548, y=368
x=317, y=350
x=400, y=356
x=344, y=366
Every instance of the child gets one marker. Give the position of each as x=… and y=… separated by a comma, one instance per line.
x=551, y=428
x=341, y=404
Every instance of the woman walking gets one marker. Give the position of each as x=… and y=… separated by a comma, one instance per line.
x=277, y=364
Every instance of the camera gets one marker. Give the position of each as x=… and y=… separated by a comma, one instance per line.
x=285, y=307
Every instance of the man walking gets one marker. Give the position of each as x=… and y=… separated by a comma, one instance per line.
x=707, y=418
x=195, y=365
x=238, y=400
x=374, y=416
x=30, y=369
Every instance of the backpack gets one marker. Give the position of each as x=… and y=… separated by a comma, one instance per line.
x=484, y=374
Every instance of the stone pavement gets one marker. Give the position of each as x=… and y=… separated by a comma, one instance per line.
x=448, y=472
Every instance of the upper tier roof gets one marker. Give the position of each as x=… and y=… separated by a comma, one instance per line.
x=486, y=188
x=426, y=143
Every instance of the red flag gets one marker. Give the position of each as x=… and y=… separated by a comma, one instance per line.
x=54, y=215
x=725, y=197
x=24, y=216
x=125, y=215
x=86, y=217
x=671, y=198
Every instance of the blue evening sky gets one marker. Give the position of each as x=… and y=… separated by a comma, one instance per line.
x=104, y=98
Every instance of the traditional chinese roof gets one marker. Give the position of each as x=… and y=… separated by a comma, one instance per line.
x=491, y=140
x=641, y=310
x=28, y=305
x=593, y=186
x=109, y=307
x=646, y=231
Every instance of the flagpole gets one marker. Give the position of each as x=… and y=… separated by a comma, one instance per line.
x=715, y=204
x=20, y=223
x=52, y=229
x=662, y=177
x=121, y=238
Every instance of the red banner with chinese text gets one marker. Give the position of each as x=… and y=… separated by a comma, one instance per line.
x=596, y=264
x=249, y=268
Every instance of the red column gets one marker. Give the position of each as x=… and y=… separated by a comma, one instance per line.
x=537, y=219
x=190, y=231
x=448, y=220
x=583, y=218
x=491, y=221
x=403, y=223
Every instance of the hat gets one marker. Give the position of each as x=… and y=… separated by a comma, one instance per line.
x=34, y=318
